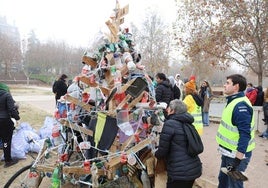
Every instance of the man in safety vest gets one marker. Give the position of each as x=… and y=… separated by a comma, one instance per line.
x=235, y=135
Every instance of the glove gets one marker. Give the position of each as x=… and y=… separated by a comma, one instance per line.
x=233, y=173
x=237, y=175
x=235, y=164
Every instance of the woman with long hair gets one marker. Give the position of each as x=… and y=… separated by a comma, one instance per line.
x=205, y=93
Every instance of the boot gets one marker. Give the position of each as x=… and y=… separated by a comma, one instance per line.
x=10, y=163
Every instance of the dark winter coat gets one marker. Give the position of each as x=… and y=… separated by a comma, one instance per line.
x=176, y=92
x=260, y=96
x=164, y=92
x=7, y=106
x=59, y=88
x=173, y=148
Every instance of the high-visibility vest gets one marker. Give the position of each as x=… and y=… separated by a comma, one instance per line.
x=228, y=134
x=195, y=111
x=197, y=114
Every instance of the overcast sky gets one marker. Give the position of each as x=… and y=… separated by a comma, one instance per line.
x=75, y=21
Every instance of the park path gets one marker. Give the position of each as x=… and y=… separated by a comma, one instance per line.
x=41, y=101
x=257, y=170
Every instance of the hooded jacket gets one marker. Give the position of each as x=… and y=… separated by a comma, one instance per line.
x=7, y=106
x=59, y=88
x=173, y=148
x=164, y=92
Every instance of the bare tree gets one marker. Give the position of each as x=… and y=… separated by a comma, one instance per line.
x=31, y=56
x=52, y=57
x=154, y=44
x=225, y=32
x=10, y=53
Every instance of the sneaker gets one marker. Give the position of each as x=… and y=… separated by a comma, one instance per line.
x=265, y=122
x=10, y=163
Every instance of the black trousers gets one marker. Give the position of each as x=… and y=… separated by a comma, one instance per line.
x=6, y=132
x=179, y=183
x=265, y=111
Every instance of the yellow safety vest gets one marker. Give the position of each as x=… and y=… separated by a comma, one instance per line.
x=196, y=112
x=228, y=134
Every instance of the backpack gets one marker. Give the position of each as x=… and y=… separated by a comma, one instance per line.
x=195, y=145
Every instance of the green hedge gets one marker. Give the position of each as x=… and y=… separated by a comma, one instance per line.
x=44, y=78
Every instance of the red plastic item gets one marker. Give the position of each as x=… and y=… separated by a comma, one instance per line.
x=145, y=126
x=85, y=97
x=87, y=166
x=123, y=158
x=137, y=138
x=57, y=114
x=63, y=157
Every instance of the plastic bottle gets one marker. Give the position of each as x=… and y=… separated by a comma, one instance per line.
x=99, y=98
x=113, y=70
x=117, y=61
x=55, y=178
x=161, y=116
x=57, y=114
x=145, y=179
x=56, y=136
x=118, y=80
x=127, y=58
x=33, y=178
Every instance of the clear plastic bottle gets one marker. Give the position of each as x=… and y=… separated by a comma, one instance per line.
x=33, y=178
x=118, y=80
x=127, y=58
x=56, y=135
x=117, y=61
x=99, y=99
x=145, y=179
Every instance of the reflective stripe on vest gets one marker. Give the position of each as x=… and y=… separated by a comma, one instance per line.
x=228, y=134
x=197, y=114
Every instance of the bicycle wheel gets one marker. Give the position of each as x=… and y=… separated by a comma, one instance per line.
x=22, y=179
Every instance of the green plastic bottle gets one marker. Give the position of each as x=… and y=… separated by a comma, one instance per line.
x=55, y=178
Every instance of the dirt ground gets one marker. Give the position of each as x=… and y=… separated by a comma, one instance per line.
x=257, y=170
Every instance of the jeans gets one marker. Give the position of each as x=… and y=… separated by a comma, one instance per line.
x=265, y=134
x=224, y=180
x=205, y=118
x=1, y=144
